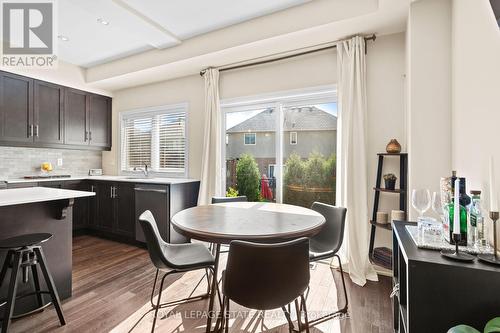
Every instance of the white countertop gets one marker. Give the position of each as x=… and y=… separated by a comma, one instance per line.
x=18, y=196
x=129, y=179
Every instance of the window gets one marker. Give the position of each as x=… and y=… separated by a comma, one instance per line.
x=155, y=137
x=280, y=169
x=250, y=138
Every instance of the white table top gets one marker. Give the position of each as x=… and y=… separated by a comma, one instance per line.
x=18, y=196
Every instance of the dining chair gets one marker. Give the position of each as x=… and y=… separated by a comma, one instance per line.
x=267, y=276
x=327, y=243
x=241, y=198
x=170, y=259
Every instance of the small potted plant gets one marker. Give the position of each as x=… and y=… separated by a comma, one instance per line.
x=390, y=181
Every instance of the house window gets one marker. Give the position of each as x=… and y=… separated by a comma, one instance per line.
x=281, y=170
x=250, y=138
x=155, y=137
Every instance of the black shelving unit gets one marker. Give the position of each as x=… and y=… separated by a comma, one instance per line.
x=401, y=191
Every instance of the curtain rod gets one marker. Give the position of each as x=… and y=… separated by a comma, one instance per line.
x=261, y=62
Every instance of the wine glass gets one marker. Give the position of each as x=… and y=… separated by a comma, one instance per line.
x=421, y=201
x=437, y=205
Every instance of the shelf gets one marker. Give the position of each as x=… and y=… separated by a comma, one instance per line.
x=399, y=191
x=380, y=263
x=392, y=154
x=386, y=226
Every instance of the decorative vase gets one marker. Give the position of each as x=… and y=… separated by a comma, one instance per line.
x=393, y=147
x=390, y=184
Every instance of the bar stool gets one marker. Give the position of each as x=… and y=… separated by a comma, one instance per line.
x=24, y=253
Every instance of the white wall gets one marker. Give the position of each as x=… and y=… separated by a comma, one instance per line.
x=476, y=90
x=385, y=62
x=429, y=94
x=65, y=74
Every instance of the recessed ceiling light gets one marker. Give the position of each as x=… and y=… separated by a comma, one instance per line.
x=102, y=21
x=63, y=38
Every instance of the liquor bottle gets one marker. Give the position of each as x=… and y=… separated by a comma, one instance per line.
x=465, y=202
x=477, y=220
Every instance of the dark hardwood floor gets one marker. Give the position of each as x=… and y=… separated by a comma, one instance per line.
x=112, y=284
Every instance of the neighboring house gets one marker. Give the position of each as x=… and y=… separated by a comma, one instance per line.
x=306, y=130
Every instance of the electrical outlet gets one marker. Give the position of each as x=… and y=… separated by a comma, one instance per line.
x=59, y=162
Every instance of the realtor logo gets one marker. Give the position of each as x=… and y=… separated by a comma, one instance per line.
x=28, y=34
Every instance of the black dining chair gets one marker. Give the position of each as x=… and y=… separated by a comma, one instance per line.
x=171, y=259
x=267, y=276
x=241, y=198
x=327, y=243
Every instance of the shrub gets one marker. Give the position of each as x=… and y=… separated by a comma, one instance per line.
x=232, y=192
x=248, y=177
x=315, y=171
x=294, y=170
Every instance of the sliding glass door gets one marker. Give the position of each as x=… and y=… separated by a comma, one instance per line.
x=282, y=149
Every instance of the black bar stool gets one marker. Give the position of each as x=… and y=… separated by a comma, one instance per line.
x=25, y=253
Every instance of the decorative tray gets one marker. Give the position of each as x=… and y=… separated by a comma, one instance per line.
x=437, y=242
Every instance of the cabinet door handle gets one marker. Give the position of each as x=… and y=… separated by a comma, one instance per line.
x=92, y=188
x=90, y=135
x=111, y=195
x=86, y=136
x=36, y=131
x=114, y=193
x=30, y=131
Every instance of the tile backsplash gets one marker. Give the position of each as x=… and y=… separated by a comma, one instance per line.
x=19, y=162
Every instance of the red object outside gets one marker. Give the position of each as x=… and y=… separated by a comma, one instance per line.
x=265, y=190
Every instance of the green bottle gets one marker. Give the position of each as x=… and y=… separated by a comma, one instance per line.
x=463, y=224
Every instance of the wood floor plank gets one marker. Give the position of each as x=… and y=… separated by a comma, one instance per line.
x=112, y=285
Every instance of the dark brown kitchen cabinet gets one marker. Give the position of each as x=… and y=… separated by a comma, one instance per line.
x=48, y=113
x=99, y=119
x=105, y=209
x=75, y=117
x=80, y=205
x=93, y=212
x=16, y=108
x=36, y=113
x=124, y=209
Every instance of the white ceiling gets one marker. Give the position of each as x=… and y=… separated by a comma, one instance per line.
x=136, y=26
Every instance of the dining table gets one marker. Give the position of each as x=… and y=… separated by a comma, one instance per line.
x=261, y=222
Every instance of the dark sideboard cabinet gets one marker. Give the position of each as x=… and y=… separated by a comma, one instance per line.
x=433, y=294
x=36, y=113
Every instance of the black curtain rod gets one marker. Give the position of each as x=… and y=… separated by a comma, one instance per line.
x=372, y=38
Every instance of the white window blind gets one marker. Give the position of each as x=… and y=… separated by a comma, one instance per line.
x=156, y=139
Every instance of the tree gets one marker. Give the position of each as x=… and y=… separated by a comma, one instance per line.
x=294, y=170
x=248, y=177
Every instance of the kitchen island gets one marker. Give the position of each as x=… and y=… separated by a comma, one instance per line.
x=40, y=210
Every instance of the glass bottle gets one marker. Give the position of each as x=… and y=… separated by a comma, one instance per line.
x=465, y=202
x=477, y=221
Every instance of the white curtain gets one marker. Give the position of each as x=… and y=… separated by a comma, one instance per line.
x=211, y=159
x=352, y=184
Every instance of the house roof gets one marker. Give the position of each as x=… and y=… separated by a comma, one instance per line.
x=296, y=119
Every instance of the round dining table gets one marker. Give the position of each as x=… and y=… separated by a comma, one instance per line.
x=249, y=221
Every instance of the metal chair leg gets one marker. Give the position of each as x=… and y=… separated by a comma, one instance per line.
x=227, y=314
x=36, y=282
x=288, y=317
x=5, y=266
x=157, y=307
x=11, y=298
x=304, y=307
x=50, y=284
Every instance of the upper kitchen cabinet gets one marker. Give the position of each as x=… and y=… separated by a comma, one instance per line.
x=16, y=109
x=48, y=113
x=35, y=113
x=100, y=121
x=87, y=120
x=75, y=117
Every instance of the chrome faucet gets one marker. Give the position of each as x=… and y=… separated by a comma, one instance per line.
x=144, y=170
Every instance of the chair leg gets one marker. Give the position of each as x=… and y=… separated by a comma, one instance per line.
x=344, y=309
x=288, y=318
x=11, y=298
x=154, y=288
x=157, y=307
x=36, y=282
x=304, y=308
x=5, y=266
x=50, y=284
x=298, y=310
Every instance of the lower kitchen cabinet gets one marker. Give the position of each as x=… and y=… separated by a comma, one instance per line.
x=105, y=209
x=81, y=205
x=124, y=212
